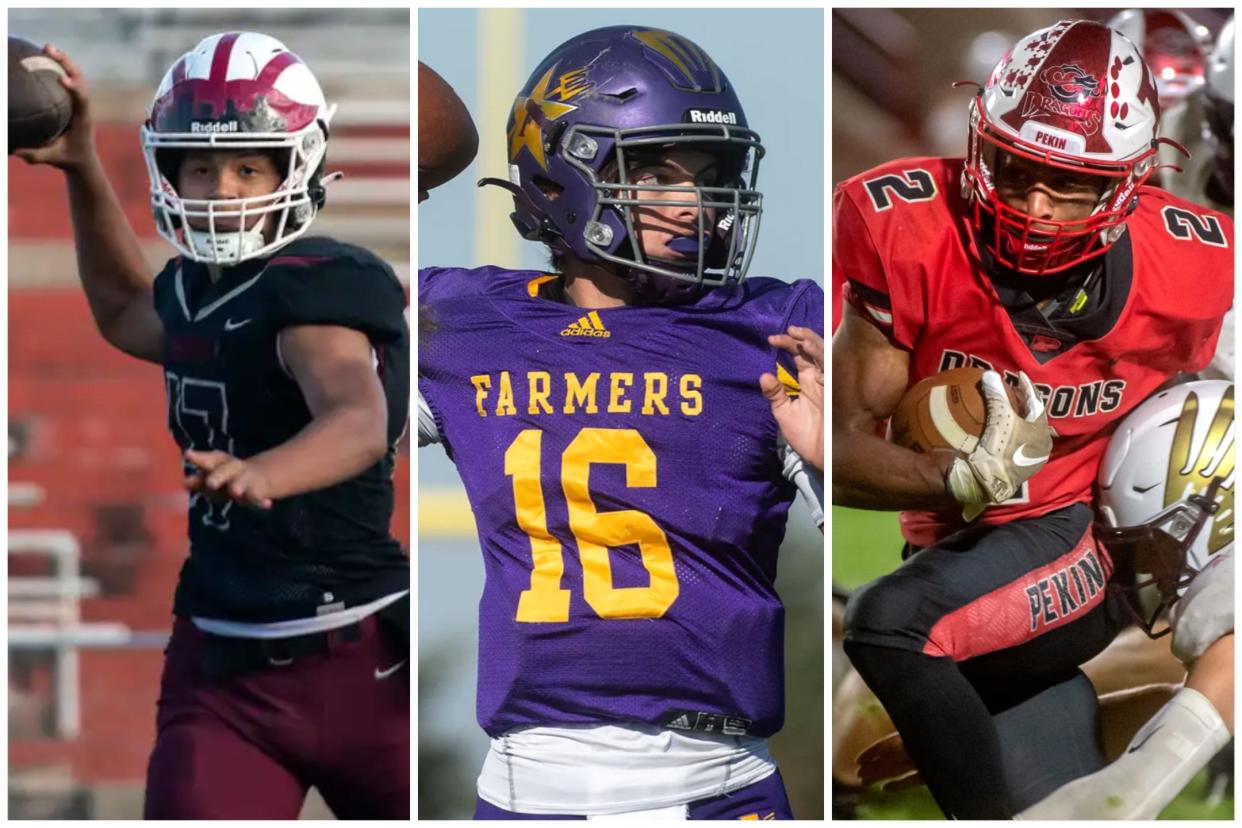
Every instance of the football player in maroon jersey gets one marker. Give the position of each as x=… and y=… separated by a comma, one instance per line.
x=285, y=357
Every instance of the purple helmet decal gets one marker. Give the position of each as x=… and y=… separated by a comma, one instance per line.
x=594, y=105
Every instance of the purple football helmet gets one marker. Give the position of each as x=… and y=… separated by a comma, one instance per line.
x=591, y=107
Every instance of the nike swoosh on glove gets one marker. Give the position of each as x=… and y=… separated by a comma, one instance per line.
x=1014, y=445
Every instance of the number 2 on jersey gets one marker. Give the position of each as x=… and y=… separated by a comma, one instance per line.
x=594, y=532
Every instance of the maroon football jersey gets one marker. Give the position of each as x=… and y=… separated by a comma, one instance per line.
x=903, y=243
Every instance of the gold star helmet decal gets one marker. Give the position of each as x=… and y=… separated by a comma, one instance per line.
x=530, y=112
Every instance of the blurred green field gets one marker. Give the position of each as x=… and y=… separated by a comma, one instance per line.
x=865, y=545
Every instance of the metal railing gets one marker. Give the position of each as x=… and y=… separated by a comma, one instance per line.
x=45, y=615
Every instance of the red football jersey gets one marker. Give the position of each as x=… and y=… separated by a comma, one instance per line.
x=903, y=242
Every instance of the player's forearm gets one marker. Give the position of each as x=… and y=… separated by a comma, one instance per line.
x=337, y=445
x=1212, y=675
x=871, y=473
x=113, y=271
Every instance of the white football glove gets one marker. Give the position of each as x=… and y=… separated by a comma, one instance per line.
x=1204, y=614
x=1014, y=445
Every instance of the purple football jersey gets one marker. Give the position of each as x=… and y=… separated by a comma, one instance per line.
x=623, y=471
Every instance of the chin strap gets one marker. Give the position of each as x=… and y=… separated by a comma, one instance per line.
x=1175, y=145
x=318, y=191
x=545, y=231
x=516, y=191
x=229, y=248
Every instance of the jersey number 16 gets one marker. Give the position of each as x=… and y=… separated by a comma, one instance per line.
x=594, y=532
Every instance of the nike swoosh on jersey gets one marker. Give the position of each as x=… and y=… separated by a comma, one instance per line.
x=229, y=325
x=1021, y=459
x=380, y=675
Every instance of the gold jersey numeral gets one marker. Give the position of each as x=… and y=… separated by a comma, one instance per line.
x=594, y=532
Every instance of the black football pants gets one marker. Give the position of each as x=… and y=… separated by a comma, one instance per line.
x=972, y=646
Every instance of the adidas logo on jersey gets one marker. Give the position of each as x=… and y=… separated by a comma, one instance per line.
x=589, y=325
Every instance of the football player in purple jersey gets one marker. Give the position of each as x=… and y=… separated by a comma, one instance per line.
x=285, y=359
x=622, y=424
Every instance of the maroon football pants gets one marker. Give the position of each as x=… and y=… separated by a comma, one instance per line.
x=249, y=746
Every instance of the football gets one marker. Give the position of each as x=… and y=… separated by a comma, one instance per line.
x=943, y=411
x=39, y=107
x=447, y=139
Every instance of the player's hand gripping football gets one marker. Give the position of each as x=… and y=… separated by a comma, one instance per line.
x=221, y=476
x=1014, y=445
x=801, y=418
x=76, y=147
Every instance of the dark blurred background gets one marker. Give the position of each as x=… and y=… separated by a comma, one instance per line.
x=893, y=70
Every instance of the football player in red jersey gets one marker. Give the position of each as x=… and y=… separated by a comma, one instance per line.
x=1041, y=256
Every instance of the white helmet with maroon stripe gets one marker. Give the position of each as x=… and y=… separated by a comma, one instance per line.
x=237, y=91
x=1076, y=99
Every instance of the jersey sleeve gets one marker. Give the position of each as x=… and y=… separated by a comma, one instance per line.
x=1215, y=353
x=806, y=310
x=162, y=289
x=428, y=283
x=353, y=293
x=436, y=284
x=857, y=264
x=1221, y=366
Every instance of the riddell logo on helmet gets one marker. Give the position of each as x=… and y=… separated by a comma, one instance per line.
x=712, y=116
x=214, y=126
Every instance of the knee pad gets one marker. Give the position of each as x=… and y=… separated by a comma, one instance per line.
x=885, y=612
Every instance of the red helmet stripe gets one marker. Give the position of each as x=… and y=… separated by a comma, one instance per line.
x=1077, y=66
x=275, y=66
x=215, y=88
